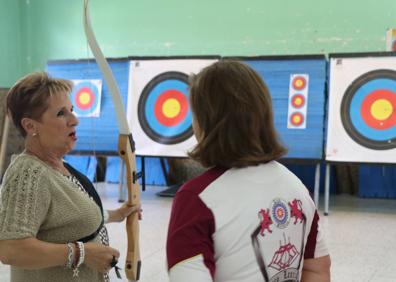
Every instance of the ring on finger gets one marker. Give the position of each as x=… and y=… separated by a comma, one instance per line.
x=113, y=262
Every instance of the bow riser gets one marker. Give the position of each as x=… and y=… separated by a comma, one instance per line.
x=133, y=263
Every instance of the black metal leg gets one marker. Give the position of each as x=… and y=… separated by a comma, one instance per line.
x=165, y=173
x=143, y=174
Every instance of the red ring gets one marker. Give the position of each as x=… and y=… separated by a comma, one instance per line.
x=171, y=94
x=78, y=95
x=295, y=97
x=296, y=114
x=299, y=78
x=368, y=102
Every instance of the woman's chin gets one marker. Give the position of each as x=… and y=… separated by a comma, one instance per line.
x=69, y=148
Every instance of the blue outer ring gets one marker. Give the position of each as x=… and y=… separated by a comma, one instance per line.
x=356, y=104
x=155, y=125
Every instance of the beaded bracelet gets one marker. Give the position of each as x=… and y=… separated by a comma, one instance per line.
x=70, y=255
x=106, y=216
x=81, y=257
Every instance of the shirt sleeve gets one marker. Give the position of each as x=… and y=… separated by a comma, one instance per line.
x=191, y=270
x=190, y=251
x=24, y=202
x=316, y=243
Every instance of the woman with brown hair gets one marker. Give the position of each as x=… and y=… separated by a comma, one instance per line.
x=51, y=217
x=247, y=218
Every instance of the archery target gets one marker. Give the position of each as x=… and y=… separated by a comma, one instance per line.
x=298, y=96
x=85, y=97
x=368, y=110
x=163, y=109
x=296, y=119
x=298, y=101
x=158, y=105
x=362, y=110
x=298, y=82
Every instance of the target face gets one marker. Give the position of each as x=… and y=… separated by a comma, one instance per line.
x=163, y=108
x=299, y=82
x=298, y=101
x=85, y=98
x=368, y=110
x=280, y=213
x=159, y=111
x=296, y=119
x=361, y=113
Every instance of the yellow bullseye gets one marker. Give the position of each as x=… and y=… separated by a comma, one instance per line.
x=381, y=109
x=297, y=119
x=299, y=83
x=84, y=98
x=298, y=101
x=171, y=108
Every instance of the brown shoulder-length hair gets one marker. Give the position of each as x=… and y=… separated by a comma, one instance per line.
x=29, y=97
x=233, y=118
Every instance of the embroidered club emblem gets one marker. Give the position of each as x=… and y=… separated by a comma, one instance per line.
x=280, y=213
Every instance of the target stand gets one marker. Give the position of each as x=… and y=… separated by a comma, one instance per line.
x=159, y=113
x=361, y=123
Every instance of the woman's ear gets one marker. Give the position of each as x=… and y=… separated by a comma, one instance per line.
x=29, y=125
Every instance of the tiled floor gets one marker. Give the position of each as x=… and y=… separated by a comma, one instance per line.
x=361, y=237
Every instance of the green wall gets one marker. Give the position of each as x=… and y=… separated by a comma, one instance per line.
x=10, y=42
x=39, y=30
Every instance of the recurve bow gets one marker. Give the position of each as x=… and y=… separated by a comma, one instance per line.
x=126, y=150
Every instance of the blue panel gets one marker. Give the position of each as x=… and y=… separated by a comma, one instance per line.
x=306, y=173
x=153, y=170
x=302, y=143
x=377, y=181
x=96, y=134
x=84, y=164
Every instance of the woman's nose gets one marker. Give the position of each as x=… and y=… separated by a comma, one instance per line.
x=74, y=121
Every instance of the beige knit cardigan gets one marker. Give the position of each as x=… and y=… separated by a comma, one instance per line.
x=38, y=201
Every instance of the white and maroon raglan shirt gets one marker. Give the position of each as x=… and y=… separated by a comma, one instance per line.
x=243, y=225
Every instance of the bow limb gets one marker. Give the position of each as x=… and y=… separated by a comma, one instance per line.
x=126, y=150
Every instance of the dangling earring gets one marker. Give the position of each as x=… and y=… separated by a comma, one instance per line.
x=34, y=134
